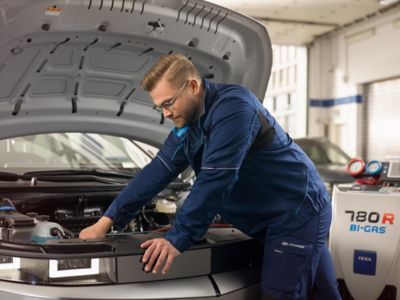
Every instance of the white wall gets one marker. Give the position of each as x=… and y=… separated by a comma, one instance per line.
x=289, y=79
x=340, y=64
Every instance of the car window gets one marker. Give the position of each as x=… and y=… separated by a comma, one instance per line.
x=315, y=153
x=335, y=155
x=72, y=151
x=323, y=152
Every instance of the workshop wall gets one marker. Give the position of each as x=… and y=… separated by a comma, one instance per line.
x=341, y=64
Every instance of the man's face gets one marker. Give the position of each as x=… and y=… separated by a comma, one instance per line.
x=180, y=104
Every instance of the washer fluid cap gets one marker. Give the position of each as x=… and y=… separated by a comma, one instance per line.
x=165, y=206
x=6, y=205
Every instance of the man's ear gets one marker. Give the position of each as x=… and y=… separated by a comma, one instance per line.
x=195, y=85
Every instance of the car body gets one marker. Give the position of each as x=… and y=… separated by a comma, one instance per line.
x=329, y=159
x=73, y=117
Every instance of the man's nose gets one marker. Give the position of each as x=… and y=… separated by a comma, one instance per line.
x=166, y=113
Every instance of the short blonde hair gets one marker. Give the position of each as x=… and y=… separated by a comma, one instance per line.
x=175, y=68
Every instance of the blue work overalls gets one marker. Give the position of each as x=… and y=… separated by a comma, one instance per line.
x=252, y=173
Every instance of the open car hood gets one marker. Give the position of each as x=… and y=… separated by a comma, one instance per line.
x=76, y=65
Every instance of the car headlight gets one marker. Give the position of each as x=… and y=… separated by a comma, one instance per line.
x=85, y=271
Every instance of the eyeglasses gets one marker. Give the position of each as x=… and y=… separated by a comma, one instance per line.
x=167, y=104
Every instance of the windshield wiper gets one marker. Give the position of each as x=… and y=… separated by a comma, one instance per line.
x=107, y=176
x=99, y=175
x=95, y=172
x=7, y=176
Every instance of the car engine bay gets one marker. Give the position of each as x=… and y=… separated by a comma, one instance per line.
x=38, y=214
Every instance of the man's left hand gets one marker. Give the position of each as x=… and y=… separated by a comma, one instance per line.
x=157, y=251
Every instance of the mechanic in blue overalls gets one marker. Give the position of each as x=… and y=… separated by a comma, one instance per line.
x=248, y=170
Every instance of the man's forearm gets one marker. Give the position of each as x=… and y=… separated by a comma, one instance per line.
x=104, y=224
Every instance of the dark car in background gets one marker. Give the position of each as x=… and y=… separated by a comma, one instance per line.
x=329, y=159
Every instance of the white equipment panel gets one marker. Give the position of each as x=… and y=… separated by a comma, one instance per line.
x=364, y=239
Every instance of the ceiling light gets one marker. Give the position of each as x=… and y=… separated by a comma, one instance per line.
x=387, y=2
x=361, y=35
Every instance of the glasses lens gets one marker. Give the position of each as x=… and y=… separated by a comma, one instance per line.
x=169, y=103
x=158, y=109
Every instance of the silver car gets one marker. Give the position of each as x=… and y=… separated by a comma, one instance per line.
x=75, y=127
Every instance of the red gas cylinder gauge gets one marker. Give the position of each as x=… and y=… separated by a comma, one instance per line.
x=356, y=167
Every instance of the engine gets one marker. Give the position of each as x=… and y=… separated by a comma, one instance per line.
x=41, y=217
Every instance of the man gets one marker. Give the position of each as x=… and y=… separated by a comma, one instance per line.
x=248, y=170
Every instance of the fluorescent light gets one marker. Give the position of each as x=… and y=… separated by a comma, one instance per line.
x=386, y=2
x=361, y=35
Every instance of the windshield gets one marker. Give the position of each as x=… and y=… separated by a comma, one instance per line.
x=322, y=153
x=60, y=151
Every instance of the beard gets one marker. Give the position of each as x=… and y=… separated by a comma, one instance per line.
x=188, y=116
x=180, y=122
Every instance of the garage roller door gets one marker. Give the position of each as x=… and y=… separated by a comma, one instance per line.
x=382, y=120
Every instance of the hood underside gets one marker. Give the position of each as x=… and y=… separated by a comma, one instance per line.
x=76, y=66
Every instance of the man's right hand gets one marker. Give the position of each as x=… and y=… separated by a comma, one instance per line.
x=97, y=230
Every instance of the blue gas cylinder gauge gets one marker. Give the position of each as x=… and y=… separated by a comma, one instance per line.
x=356, y=167
x=373, y=167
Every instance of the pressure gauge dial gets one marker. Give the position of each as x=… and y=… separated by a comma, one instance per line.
x=373, y=167
x=356, y=167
